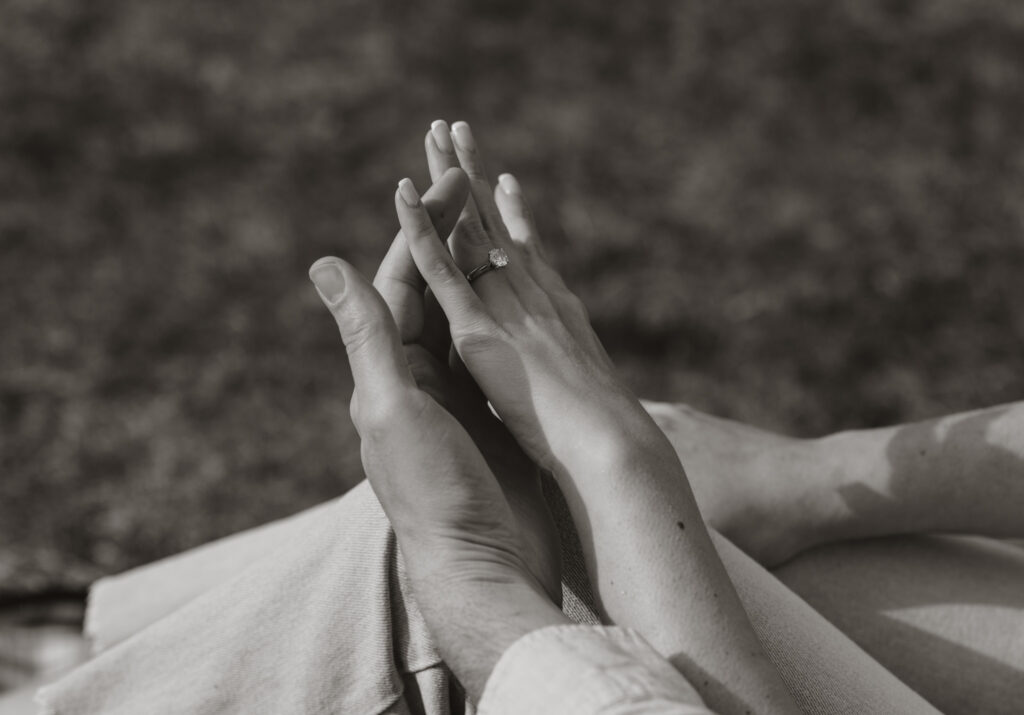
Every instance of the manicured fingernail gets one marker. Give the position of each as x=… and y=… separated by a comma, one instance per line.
x=329, y=281
x=464, y=137
x=442, y=136
x=408, y=193
x=509, y=185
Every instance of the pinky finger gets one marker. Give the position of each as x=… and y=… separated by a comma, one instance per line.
x=515, y=213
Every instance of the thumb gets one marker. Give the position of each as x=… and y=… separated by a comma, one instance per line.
x=375, y=353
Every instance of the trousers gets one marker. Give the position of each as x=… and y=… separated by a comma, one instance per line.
x=313, y=614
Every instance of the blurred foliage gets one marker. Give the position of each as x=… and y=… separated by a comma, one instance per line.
x=802, y=214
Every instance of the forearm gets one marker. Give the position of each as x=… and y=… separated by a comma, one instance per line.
x=477, y=622
x=962, y=474
x=655, y=569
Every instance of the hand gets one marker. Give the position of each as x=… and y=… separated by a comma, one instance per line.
x=524, y=337
x=424, y=331
x=476, y=568
x=528, y=343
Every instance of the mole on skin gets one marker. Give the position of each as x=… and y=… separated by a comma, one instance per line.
x=681, y=526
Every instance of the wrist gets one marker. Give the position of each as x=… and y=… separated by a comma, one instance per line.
x=474, y=622
x=630, y=442
x=825, y=485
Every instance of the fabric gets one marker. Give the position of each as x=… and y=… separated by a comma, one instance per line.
x=318, y=623
x=587, y=670
x=318, y=619
x=943, y=614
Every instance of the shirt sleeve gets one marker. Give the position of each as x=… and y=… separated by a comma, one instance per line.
x=587, y=670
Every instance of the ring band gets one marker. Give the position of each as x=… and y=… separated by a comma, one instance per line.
x=496, y=258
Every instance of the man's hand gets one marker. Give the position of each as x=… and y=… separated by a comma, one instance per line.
x=438, y=371
x=478, y=574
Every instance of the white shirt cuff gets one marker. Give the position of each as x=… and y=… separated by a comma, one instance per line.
x=587, y=670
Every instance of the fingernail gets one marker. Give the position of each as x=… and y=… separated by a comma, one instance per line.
x=329, y=281
x=464, y=137
x=442, y=136
x=510, y=185
x=408, y=193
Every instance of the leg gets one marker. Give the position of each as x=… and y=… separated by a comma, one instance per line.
x=319, y=622
x=122, y=605
x=944, y=614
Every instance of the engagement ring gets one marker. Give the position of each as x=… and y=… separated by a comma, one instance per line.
x=496, y=258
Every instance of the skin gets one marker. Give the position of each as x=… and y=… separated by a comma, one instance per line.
x=758, y=488
x=423, y=330
x=772, y=495
x=958, y=474
x=476, y=541
x=527, y=342
x=775, y=496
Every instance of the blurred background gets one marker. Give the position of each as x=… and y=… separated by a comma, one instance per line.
x=806, y=215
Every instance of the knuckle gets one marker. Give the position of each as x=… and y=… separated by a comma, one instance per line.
x=358, y=332
x=475, y=337
x=353, y=407
x=444, y=271
x=572, y=307
x=421, y=226
x=529, y=256
x=493, y=221
x=378, y=418
x=579, y=307
x=555, y=281
x=471, y=231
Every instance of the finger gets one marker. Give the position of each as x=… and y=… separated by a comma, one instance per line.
x=439, y=149
x=436, y=336
x=470, y=242
x=441, y=157
x=495, y=230
x=471, y=247
x=480, y=186
x=515, y=214
x=375, y=352
x=461, y=304
x=397, y=279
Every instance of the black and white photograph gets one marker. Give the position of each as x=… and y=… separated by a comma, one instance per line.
x=511, y=357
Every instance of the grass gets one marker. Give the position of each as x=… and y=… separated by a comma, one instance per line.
x=805, y=215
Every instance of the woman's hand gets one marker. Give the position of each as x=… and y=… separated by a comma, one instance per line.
x=528, y=343
x=478, y=569
x=425, y=337
x=524, y=337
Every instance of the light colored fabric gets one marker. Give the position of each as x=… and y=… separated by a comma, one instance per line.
x=944, y=614
x=122, y=605
x=320, y=623
x=323, y=623
x=587, y=670
x=824, y=670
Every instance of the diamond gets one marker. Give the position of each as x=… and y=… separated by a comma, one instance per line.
x=497, y=258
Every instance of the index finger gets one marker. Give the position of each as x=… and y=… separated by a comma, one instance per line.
x=464, y=308
x=398, y=280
